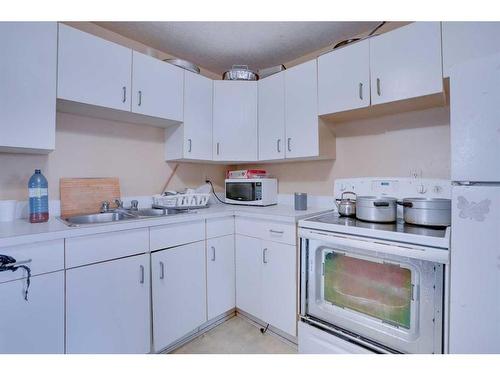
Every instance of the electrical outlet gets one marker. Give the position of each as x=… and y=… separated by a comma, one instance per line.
x=416, y=173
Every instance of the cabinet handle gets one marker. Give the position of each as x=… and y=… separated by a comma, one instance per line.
x=361, y=91
x=378, y=87
x=213, y=253
x=190, y=143
x=264, y=252
x=276, y=231
x=289, y=146
x=162, y=270
x=140, y=98
x=218, y=148
x=124, y=91
x=142, y=274
x=278, y=142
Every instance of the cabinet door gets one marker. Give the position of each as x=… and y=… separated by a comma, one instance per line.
x=179, y=292
x=28, y=85
x=198, y=100
x=406, y=63
x=235, y=121
x=474, y=114
x=157, y=88
x=92, y=70
x=344, y=79
x=249, y=261
x=220, y=275
x=301, y=111
x=272, y=117
x=279, y=286
x=108, y=307
x=36, y=325
x=475, y=276
x=463, y=41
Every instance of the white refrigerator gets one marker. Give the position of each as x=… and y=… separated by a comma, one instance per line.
x=475, y=235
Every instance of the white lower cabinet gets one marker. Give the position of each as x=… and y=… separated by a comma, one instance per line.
x=108, y=307
x=220, y=275
x=179, y=292
x=266, y=284
x=36, y=325
x=279, y=286
x=248, y=274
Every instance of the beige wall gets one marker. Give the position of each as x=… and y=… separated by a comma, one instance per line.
x=88, y=147
x=390, y=146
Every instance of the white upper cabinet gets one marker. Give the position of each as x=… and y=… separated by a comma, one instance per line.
x=192, y=140
x=464, y=41
x=92, y=70
x=28, y=70
x=344, y=79
x=157, y=88
x=301, y=111
x=406, y=63
x=235, y=121
x=272, y=117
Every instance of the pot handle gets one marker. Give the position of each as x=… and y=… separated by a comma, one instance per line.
x=405, y=204
x=381, y=204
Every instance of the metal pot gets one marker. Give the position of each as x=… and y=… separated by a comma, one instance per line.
x=240, y=73
x=427, y=211
x=346, y=206
x=376, y=209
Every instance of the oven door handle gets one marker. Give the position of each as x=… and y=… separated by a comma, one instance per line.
x=409, y=251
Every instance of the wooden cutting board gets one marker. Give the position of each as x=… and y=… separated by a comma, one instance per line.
x=84, y=195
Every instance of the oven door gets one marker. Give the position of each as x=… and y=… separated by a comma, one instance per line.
x=392, y=300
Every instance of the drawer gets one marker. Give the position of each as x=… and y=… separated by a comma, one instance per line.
x=47, y=256
x=221, y=226
x=176, y=234
x=266, y=229
x=105, y=246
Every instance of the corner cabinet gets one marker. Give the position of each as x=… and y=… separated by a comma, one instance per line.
x=235, y=121
x=28, y=69
x=289, y=127
x=92, y=70
x=192, y=140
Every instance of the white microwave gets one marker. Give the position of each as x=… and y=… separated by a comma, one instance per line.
x=252, y=191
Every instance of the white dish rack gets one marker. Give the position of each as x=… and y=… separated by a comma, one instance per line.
x=182, y=201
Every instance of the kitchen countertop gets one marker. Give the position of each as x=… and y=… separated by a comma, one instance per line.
x=20, y=232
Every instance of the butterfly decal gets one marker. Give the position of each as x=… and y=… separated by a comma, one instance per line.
x=473, y=210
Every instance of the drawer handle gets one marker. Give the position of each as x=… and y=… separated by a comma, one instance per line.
x=278, y=148
x=142, y=274
x=264, y=258
x=213, y=253
x=379, y=91
x=124, y=97
x=276, y=231
x=140, y=98
x=361, y=91
x=289, y=141
x=162, y=270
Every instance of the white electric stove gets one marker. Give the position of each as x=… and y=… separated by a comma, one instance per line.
x=371, y=287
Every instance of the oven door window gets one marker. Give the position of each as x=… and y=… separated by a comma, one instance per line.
x=378, y=289
x=240, y=191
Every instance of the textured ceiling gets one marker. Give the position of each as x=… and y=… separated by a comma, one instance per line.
x=218, y=45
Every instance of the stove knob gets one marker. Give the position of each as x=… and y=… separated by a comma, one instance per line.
x=421, y=189
x=437, y=189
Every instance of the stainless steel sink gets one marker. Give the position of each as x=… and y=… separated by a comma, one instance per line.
x=151, y=212
x=106, y=217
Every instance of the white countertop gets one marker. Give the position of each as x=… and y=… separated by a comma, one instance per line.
x=22, y=231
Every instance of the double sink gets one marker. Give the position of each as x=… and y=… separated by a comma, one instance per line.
x=118, y=215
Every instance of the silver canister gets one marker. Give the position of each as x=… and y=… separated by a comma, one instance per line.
x=300, y=201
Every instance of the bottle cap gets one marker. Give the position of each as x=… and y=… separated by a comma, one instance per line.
x=38, y=171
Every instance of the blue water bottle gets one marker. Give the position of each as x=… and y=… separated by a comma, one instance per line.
x=38, y=188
